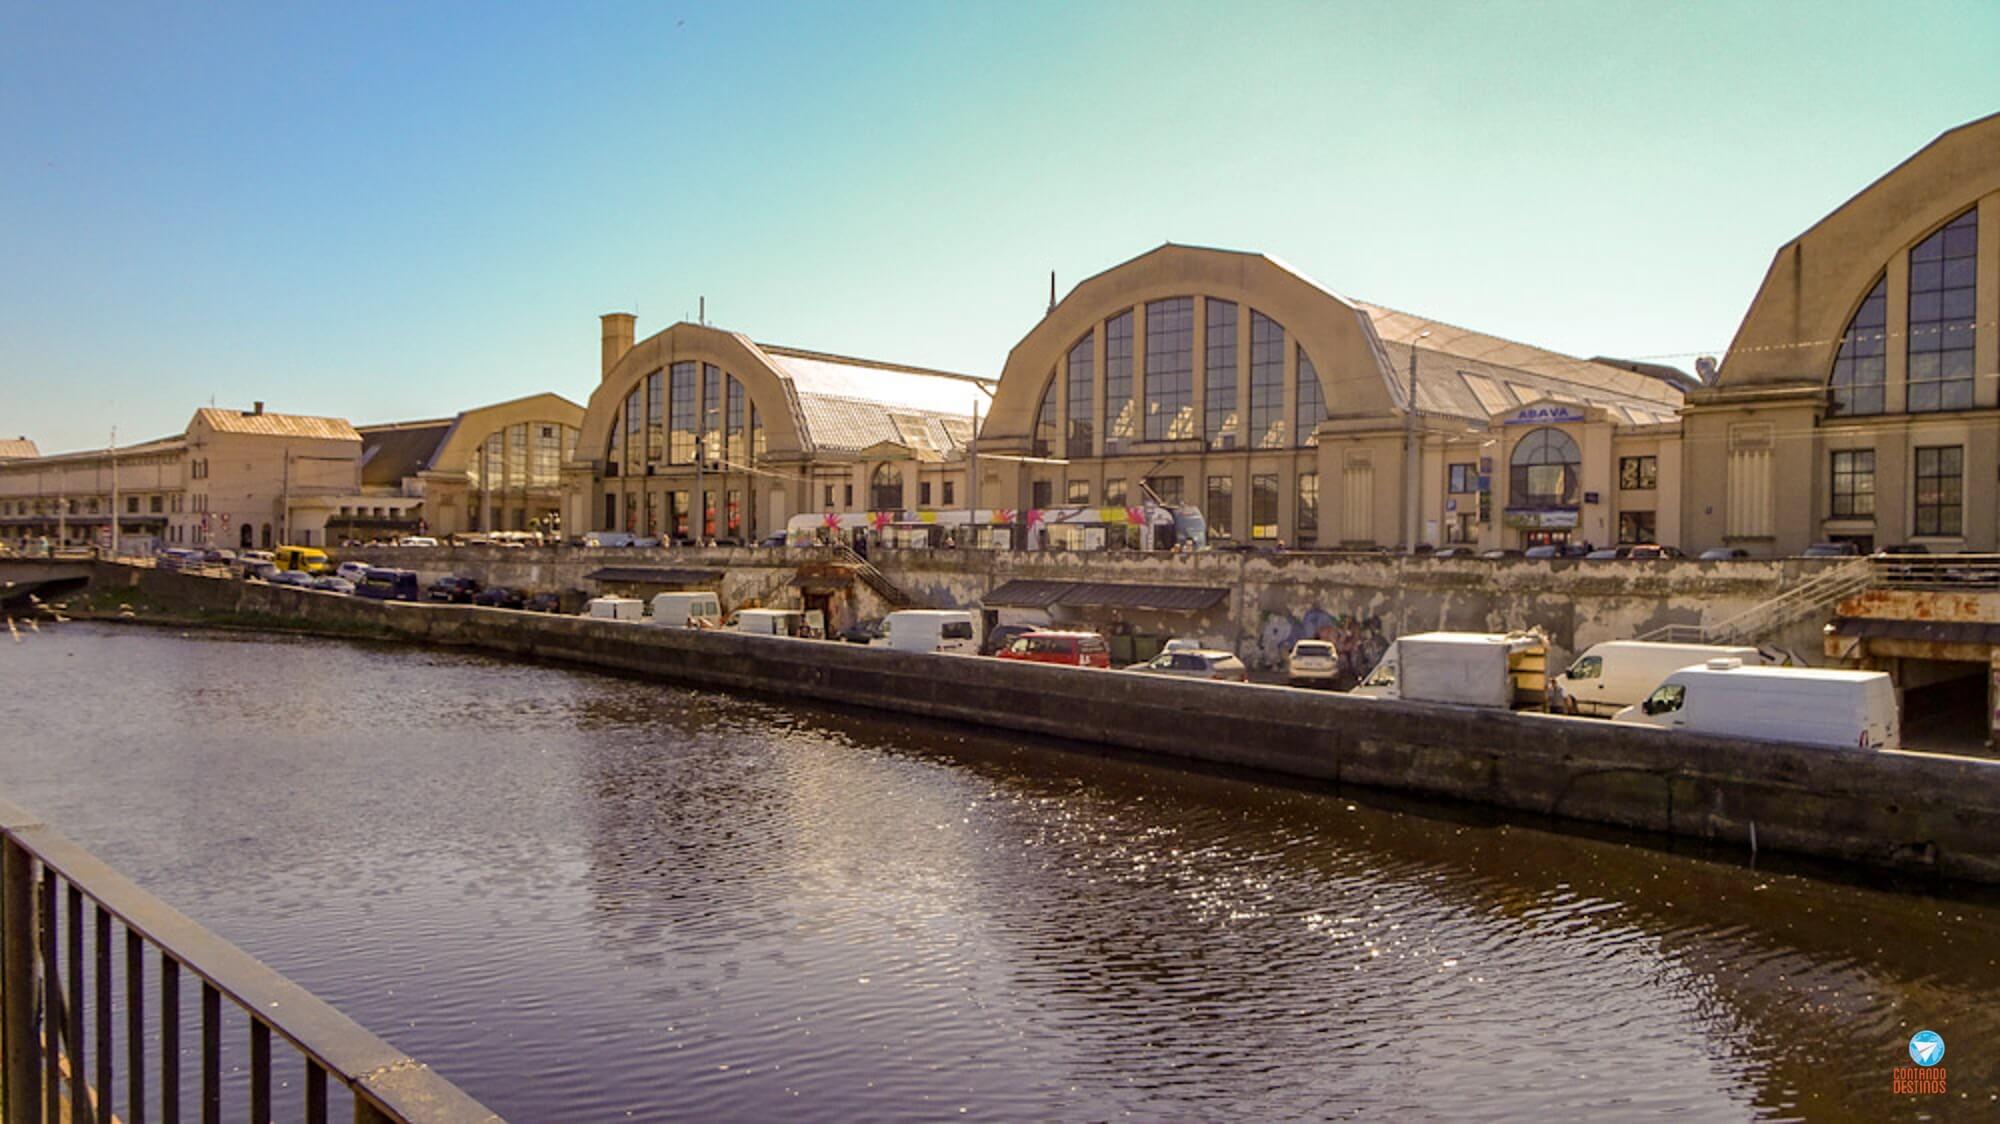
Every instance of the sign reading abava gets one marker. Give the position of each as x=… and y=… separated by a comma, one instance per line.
x=1545, y=413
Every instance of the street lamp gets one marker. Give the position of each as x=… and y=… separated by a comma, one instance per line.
x=1412, y=490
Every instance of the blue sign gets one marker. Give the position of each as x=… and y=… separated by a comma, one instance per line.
x=1926, y=1047
x=1546, y=414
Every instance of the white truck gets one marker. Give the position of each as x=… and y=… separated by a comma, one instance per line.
x=1615, y=674
x=615, y=609
x=687, y=610
x=930, y=630
x=1493, y=669
x=1804, y=705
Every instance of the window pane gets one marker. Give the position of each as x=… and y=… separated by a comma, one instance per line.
x=1170, y=369
x=1220, y=417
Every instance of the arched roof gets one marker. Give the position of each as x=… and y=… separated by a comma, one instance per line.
x=1817, y=280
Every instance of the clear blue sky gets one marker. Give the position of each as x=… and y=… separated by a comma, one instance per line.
x=399, y=211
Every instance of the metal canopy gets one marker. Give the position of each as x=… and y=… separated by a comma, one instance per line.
x=1032, y=594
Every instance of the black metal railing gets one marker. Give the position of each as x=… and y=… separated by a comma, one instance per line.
x=60, y=1011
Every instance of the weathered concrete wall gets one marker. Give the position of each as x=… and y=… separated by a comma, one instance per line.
x=1275, y=599
x=1900, y=810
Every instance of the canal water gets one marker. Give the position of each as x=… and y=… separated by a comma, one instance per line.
x=583, y=897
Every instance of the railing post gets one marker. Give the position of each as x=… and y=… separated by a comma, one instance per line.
x=22, y=1071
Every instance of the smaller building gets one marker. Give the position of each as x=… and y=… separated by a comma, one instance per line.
x=67, y=499
x=491, y=468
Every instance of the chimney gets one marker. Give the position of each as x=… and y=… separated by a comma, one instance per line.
x=257, y=408
x=617, y=338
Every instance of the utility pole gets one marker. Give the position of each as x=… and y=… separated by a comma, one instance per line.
x=972, y=461
x=113, y=450
x=1412, y=489
x=285, y=499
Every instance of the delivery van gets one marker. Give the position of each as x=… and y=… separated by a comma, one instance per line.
x=1496, y=669
x=1803, y=705
x=929, y=630
x=615, y=609
x=1611, y=676
x=309, y=559
x=687, y=610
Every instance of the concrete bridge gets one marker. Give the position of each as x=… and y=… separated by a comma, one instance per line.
x=45, y=578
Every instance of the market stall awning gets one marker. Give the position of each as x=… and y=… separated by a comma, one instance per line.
x=1035, y=594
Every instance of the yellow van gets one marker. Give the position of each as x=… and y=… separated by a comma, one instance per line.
x=309, y=559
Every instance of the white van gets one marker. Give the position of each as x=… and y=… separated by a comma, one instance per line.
x=615, y=609
x=1611, y=676
x=1805, y=705
x=930, y=630
x=687, y=610
x=781, y=622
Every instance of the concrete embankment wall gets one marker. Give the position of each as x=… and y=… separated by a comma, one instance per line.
x=1274, y=599
x=1898, y=810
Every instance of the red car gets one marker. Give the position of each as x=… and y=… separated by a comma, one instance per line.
x=1072, y=649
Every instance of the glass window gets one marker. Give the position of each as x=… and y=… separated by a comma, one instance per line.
x=1942, y=277
x=711, y=426
x=1077, y=374
x=738, y=404
x=680, y=413
x=1114, y=492
x=1267, y=382
x=1853, y=484
x=1545, y=470
x=1665, y=700
x=1264, y=506
x=733, y=510
x=1221, y=422
x=656, y=405
x=1638, y=527
x=1170, y=369
x=847, y=495
x=1940, y=490
x=949, y=490
x=679, y=511
x=1308, y=514
x=1639, y=474
x=923, y=493
x=1589, y=667
x=1167, y=488
x=1312, y=401
x=1220, y=506
x=1462, y=479
x=1045, y=422
x=132, y=505
x=1076, y=493
x=885, y=491
x=1860, y=368
x=1042, y=494
x=1118, y=382
x=517, y=455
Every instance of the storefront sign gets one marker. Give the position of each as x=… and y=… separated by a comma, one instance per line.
x=1547, y=413
x=1541, y=519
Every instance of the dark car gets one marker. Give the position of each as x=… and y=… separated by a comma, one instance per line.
x=544, y=603
x=1557, y=550
x=457, y=591
x=865, y=632
x=1833, y=550
x=1001, y=636
x=1905, y=548
x=382, y=584
x=1724, y=554
x=500, y=597
x=1645, y=551
x=1609, y=554
x=1459, y=551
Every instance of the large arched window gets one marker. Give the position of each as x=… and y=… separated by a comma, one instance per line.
x=1942, y=321
x=885, y=488
x=1861, y=367
x=1170, y=369
x=1081, y=389
x=1545, y=470
x=1222, y=423
x=1045, y=422
x=1311, y=401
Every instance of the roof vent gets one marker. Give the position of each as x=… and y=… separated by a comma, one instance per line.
x=1725, y=663
x=257, y=408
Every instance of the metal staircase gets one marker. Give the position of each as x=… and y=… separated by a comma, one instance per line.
x=873, y=578
x=1762, y=621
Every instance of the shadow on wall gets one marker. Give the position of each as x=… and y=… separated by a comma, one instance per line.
x=1358, y=642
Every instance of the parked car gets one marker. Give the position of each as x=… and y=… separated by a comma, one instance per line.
x=1904, y=548
x=862, y=632
x=1556, y=550
x=1724, y=554
x=219, y=557
x=776, y=540
x=416, y=540
x=1312, y=663
x=352, y=571
x=332, y=583
x=1805, y=705
x=1456, y=551
x=1609, y=554
x=249, y=558
x=544, y=603
x=1003, y=635
x=455, y=590
x=381, y=583
x=1832, y=550
x=177, y=558
x=1075, y=649
x=1642, y=552
x=1196, y=665
x=930, y=630
x=1500, y=552
x=310, y=559
x=607, y=538
x=499, y=597
x=260, y=571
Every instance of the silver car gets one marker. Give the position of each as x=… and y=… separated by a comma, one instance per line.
x=1311, y=663
x=1196, y=664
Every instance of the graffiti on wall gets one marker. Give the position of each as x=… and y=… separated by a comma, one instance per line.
x=1358, y=642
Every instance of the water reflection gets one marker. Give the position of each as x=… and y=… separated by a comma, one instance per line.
x=583, y=896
